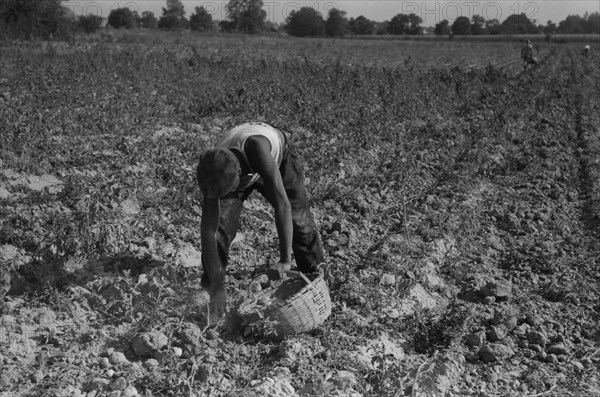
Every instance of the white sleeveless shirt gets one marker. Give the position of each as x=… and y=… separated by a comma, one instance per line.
x=236, y=138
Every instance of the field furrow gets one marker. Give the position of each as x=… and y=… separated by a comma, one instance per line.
x=457, y=197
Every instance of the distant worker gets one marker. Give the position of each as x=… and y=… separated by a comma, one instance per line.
x=527, y=55
x=586, y=50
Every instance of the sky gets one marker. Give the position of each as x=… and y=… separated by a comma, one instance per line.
x=431, y=12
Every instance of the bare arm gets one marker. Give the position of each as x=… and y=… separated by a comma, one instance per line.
x=210, y=257
x=208, y=231
x=259, y=156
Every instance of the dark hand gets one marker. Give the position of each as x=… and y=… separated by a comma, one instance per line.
x=277, y=271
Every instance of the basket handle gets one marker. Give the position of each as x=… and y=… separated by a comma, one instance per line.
x=297, y=273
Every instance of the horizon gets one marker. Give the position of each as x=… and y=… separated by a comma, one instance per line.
x=431, y=12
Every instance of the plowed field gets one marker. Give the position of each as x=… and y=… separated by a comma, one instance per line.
x=457, y=195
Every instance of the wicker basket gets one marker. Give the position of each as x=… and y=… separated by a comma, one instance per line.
x=300, y=304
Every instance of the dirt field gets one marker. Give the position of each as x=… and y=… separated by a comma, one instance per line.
x=458, y=198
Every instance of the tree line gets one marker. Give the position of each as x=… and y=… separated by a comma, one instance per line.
x=518, y=24
x=48, y=18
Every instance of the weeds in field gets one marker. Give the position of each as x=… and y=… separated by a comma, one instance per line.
x=89, y=222
x=438, y=332
x=387, y=376
x=398, y=158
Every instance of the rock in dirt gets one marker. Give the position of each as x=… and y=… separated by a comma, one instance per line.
x=392, y=349
x=492, y=378
x=539, y=379
x=17, y=257
x=506, y=315
x=177, y=352
x=46, y=181
x=535, y=348
x=521, y=331
x=104, y=362
x=418, y=298
x=558, y=348
x=7, y=320
x=292, y=350
x=344, y=379
x=273, y=386
x=202, y=374
x=500, y=289
x=117, y=358
x=191, y=334
x=224, y=384
x=38, y=376
x=97, y=384
x=552, y=359
x=34, y=182
x=119, y=384
x=475, y=339
x=149, y=343
x=11, y=303
x=495, y=352
x=436, y=377
x=130, y=207
x=188, y=256
x=497, y=333
x=6, y=379
x=578, y=366
x=495, y=243
x=537, y=338
x=263, y=280
x=387, y=280
x=255, y=287
x=9, y=252
x=129, y=391
x=4, y=193
x=534, y=319
x=45, y=317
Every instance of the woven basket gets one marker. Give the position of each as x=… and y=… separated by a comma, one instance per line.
x=301, y=304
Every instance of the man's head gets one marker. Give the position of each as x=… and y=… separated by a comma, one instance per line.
x=218, y=173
